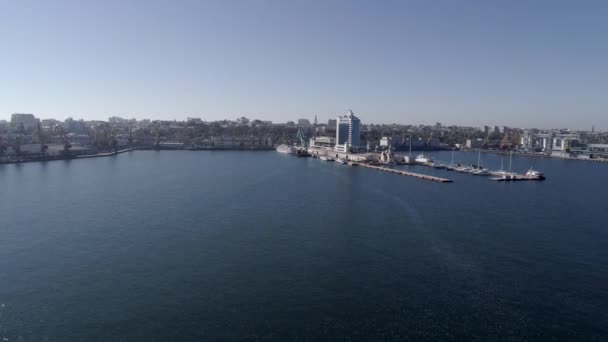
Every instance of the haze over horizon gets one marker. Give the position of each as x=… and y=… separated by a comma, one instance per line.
x=541, y=64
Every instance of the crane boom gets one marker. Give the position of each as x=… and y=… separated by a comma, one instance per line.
x=302, y=138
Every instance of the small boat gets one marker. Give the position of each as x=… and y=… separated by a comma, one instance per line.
x=422, y=159
x=481, y=172
x=326, y=158
x=451, y=166
x=464, y=169
x=507, y=177
x=533, y=174
x=341, y=161
x=500, y=173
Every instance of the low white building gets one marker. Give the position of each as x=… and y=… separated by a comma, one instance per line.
x=322, y=142
x=385, y=141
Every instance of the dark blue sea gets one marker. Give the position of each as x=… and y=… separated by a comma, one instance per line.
x=259, y=246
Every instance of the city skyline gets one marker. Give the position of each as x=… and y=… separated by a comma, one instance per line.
x=295, y=121
x=523, y=65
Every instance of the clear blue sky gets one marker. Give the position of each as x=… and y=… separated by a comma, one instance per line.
x=519, y=63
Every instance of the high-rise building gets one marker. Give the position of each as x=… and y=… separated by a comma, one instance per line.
x=348, y=131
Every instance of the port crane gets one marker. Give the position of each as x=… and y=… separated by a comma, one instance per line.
x=157, y=136
x=19, y=141
x=130, y=134
x=64, y=138
x=3, y=147
x=105, y=136
x=17, y=145
x=302, y=138
x=41, y=139
x=303, y=150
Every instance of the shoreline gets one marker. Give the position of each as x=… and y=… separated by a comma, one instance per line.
x=545, y=156
x=56, y=158
x=146, y=148
x=110, y=154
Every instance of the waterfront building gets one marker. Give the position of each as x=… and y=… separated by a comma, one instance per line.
x=242, y=121
x=474, y=143
x=303, y=122
x=385, y=141
x=194, y=120
x=598, y=150
x=542, y=141
x=348, y=131
x=28, y=121
x=116, y=121
x=236, y=143
x=562, y=144
x=486, y=130
x=526, y=140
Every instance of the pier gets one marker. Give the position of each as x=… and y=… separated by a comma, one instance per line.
x=406, y=173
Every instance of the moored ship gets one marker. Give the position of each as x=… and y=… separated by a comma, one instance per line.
x=422, y=159
x=286, y=149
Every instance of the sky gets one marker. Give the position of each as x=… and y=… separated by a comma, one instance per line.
x=516, y=63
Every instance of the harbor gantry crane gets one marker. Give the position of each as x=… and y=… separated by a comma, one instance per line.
x=41, y=139
x=19, y=140
x=17, y=145
x=3, y=148
x=64, y=138
x=302, y=138
x=130, y=134
x=303, y=150
x=104, y=136
x=114, y=140
x=157, y=136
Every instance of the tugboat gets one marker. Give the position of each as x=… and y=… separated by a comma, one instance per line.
x=302, y=153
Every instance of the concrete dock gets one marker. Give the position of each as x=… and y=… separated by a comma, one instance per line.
x=406, y=173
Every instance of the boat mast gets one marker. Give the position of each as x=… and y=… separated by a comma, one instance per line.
x=452, y=156
x=479, y=159
x=410, y=155
x=510, y=161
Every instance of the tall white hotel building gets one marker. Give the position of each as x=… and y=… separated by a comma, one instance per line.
x=348, y=130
